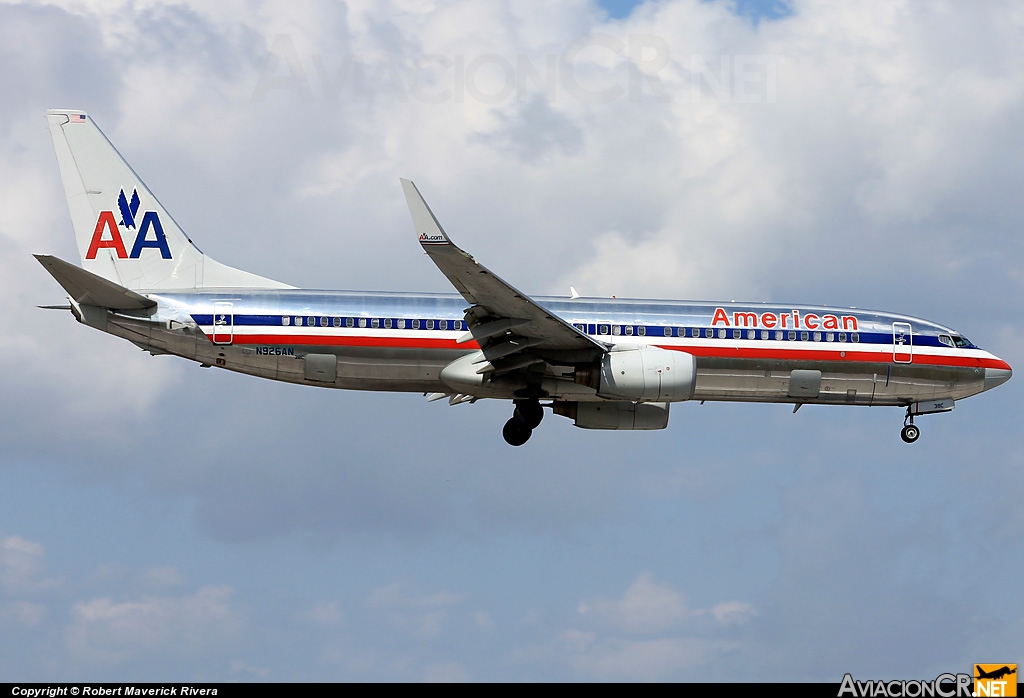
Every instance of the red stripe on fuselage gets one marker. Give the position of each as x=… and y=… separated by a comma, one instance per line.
x=879, y=357
x=352, y=341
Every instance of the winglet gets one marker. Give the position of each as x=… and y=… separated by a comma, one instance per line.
x=427, y=228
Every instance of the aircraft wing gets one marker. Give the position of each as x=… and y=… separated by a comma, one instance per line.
x=511, y=328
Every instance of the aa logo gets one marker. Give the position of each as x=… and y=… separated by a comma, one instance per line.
x=995, y=679
x=149, y=231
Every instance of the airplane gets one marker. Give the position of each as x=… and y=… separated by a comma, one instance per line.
x=603, y=363
x=995, y=674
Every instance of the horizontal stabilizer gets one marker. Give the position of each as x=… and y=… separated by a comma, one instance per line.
x=87, y=288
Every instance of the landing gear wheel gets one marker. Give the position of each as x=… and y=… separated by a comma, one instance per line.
x=910, y=433
x=529, y=413
x=516, y=433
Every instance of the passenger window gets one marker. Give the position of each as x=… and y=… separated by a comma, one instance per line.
x=737, y=334
x=323, y=321
x=764, y=334
x=401, y=324
x=387, y=323
x=842, y=336
x=362, y=322
x=602, y=329
x=349, y=322
x=854, y=337
x=778, y=335
x=721, y=334
x=374, y=322
x=298, y=322
x=336, y=322
x=642, y=331
x=817, y=336
x=415, y=324
x=616, y=329
x=629, y=329
x=803, y=336
x=791, y=335
x=709, y=333
x=430, y=324
x=668, y=332
x=311, y=321
x=751, y=334
x=286, y=320
x=830, y=337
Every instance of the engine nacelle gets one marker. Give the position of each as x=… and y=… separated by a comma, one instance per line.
x=616, y=414
x=647, y=374
x=462, y=375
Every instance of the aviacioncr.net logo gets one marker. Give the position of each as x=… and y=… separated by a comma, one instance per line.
x=943, y=686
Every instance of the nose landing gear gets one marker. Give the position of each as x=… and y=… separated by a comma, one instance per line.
x=526, y=417
x=910, y=433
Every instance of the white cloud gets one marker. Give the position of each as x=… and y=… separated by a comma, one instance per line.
x=646, y=607
x=164, y=577
x=27, y=613
x=21, y=566
x=732, y=612
x=326, y=613
x=425, y=615
x=645, y=660
x=649, y=633
x=107, y=631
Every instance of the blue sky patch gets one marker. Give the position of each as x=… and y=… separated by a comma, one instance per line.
x=754, y=9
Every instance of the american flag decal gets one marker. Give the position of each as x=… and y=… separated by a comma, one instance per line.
x=78, y=118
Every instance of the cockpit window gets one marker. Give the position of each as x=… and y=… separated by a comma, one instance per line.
x=946, y=339
x=961, y=342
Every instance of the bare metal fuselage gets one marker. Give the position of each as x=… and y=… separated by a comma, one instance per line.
x=401, y=342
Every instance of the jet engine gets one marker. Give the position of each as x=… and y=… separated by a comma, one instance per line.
x=647, y=374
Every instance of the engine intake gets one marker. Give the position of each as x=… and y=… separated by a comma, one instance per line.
x=647, y=374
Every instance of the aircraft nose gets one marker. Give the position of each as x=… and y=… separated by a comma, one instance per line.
x=997, y=376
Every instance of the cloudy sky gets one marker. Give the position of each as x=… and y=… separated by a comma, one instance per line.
x=161, y=521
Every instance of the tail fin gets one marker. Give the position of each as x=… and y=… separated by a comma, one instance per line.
x=124, y=234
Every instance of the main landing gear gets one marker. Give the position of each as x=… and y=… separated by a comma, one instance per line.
x=910, y=433
x=526, y=417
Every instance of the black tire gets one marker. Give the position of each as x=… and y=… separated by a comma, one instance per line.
x=910, y=433
x=516, y=433
x=529, y=413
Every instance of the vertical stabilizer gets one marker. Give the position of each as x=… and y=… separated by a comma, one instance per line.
x=124, y=234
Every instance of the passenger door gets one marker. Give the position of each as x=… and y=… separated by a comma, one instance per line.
x=902, y=343
x=223, y=323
